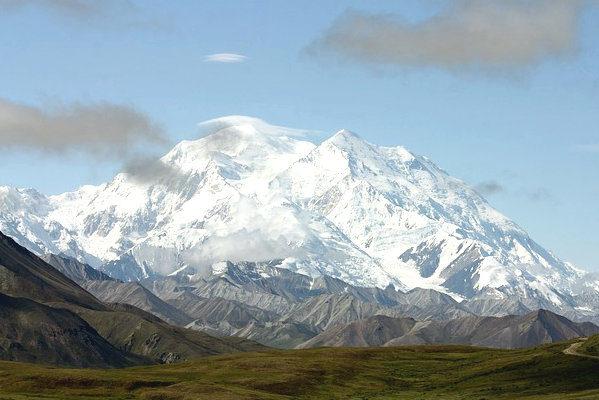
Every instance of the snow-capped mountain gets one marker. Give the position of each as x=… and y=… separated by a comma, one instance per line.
x=248, y=191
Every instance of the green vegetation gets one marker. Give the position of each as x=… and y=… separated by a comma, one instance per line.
x=590, y=346
x=427, y=372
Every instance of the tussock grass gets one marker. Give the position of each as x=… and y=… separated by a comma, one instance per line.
x=425, y=372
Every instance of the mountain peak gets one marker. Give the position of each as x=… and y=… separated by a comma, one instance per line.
x=349, y=142
x=345, y=136
x=364, y=213
x=242, y=144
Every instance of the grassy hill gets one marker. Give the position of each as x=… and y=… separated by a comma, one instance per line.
x=591, y=346
x=426, y=372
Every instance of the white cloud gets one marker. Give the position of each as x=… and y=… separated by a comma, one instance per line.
x=251, y=232
x=217, y=124
x=225, y=58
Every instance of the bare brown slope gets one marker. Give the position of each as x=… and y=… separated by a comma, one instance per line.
x=23, y=274
x=75, y=270
x=512, y=331
x=127, y=328
x=107, y=289
x=33, y=332
x=373, y=331
x=136, y=295
x=133, y=330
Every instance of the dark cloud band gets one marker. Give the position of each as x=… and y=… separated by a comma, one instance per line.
x=483, y=35
x=101, y=129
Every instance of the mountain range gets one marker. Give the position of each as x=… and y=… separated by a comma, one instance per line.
x=247, y=192
x=280, y=308
x=48, y=318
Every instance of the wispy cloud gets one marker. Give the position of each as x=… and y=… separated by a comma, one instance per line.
x=540, y=194
x=489, y=187
x=75, y=9
x=537, y=194
x=479, y=35
x=275, y=234
x=586, y=148
x=225, y=58
x=101, y=129
x=147, y=169
x=215, y=125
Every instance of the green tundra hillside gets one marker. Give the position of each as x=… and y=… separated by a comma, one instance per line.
x=426, y=372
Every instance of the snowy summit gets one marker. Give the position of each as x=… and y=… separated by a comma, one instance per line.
x=250, y=191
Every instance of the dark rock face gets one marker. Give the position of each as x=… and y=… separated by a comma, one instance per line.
x=426, y=256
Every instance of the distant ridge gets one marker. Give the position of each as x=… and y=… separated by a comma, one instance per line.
x=538, y=327
x=75, y=270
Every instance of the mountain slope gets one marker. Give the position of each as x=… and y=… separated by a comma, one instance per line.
x=365, y=214
x=24, y=274
x=374, y=331
x=136, y=295
x=33, y=332
x=135, y=331
x=74, y=270
x=281, y=308
x=325, y=311
x=512, y=331
x=126, y=328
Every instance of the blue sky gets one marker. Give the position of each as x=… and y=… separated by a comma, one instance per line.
x=525, y=133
